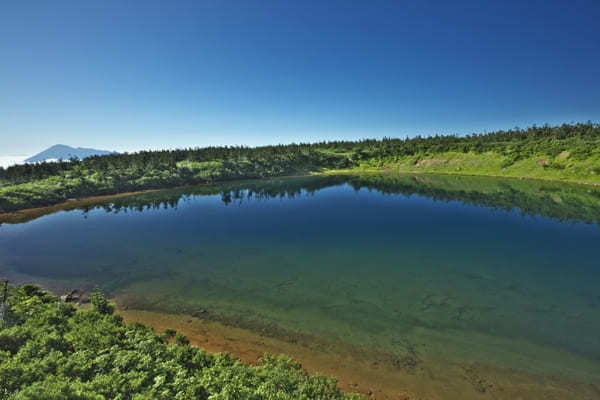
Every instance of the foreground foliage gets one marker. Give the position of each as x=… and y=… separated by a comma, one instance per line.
x=48, y=350
x=566, y=152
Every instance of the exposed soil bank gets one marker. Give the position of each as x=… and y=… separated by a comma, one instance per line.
x=431, y=380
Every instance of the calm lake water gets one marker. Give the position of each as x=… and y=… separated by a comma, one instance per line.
x=462, y=269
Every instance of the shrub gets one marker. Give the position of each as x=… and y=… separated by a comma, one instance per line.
x=181, y=339
x=100, y=303
x=57, y=353
x=169, y=333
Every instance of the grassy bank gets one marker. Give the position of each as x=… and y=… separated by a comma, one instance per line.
x=562, y=167
x=49, y=350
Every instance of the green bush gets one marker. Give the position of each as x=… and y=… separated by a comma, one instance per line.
x=169, y=333
x=100, y=303
x=554, y=165
x=180, y=339
x=54, y=352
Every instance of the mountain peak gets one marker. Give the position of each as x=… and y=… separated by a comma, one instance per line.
x=64, y=152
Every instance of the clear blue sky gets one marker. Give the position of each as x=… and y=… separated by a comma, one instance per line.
x=130, y=75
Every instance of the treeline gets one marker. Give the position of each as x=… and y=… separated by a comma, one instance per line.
x=33, y=185
x=50, y=351
x=205, y=164
x=256, y=162
x=579, y=139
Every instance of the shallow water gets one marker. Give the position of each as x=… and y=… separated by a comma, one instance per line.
x=413, y=269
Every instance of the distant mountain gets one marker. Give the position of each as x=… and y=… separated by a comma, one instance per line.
x=63, y=152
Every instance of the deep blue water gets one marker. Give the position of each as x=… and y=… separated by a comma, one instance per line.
x=399, y=273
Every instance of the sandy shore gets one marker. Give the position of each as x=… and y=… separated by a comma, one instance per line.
x=370, y=376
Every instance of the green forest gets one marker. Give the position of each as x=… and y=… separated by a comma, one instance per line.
x=569, y=152
x=51, y=351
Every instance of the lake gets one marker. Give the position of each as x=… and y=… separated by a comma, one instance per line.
x=413, y=271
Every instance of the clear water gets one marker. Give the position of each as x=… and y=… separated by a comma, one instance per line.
x=459, y=269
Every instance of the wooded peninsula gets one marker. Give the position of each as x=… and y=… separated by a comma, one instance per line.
x=569, y=152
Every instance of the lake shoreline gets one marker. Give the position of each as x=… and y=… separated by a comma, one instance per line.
x=28, y=214
x=333, y=271
x=388, y=170
x=249, y=346
x=359, y=373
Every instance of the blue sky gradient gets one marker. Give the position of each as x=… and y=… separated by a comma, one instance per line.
x=132, y=75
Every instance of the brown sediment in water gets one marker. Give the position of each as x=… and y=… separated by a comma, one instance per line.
x=249, y=346
x=372, y=375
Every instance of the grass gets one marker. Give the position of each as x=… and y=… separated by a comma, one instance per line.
x=560, y=168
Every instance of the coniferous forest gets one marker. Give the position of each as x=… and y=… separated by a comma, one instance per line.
x=564, y=153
